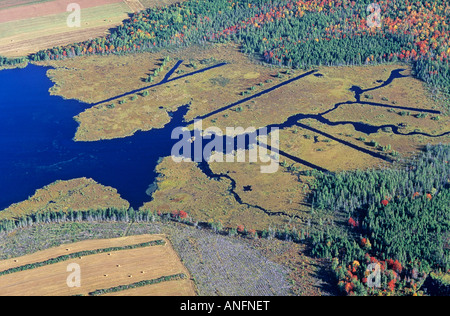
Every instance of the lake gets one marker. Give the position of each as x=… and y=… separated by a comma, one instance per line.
x=37, y=146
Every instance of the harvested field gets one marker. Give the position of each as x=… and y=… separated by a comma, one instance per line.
x=98, y=271
x=28, y=26
x=236, y=267
x=73, y=248
x=169, y=288
x=46, y=29
x=7, y=4
x=16, y=46
x=34, y=9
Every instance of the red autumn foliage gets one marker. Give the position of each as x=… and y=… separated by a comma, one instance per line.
x=240, y=228
x=183, y=214
x=391, y=285
x=363, y=242
x=385, y=202
x=352, y=222
x=397, y=266
x=349, y=287
x=252, y=231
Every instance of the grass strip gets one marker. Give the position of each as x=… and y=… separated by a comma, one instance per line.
x=80, y=254
x=138, y=284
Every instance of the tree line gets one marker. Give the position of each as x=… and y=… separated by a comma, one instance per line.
x=79, y=254
x=7, y=61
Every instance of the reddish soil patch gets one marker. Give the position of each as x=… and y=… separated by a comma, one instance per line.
x=14, y=3
x=46, y=8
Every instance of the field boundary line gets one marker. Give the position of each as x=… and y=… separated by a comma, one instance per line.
x=125, y=233
x=169, y=244
x=84, y=253
x=119, y=288
x=134, y=5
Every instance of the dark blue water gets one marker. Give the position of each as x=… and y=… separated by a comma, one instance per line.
x=37, y=130
x=37, y=147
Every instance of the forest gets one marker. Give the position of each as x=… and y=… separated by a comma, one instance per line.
x=397, y=217
x=5, y=61
x=298, y=34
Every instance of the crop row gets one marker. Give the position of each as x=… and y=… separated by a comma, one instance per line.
x=80, y=254
x=119, y=288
